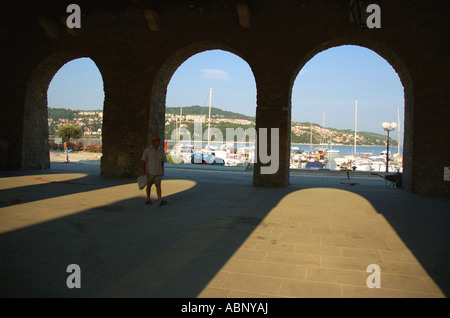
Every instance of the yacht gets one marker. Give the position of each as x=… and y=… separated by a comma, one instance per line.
x=181, y=153
x=226, y=152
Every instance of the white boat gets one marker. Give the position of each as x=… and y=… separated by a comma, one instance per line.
x=379, y=162
x=378, y=166
x=227, y=152
x=365, y=163
x=383, y=153
x=343, y=162
x=181, y=153
x=297, y=156
x=247, y=154
x=361, y=165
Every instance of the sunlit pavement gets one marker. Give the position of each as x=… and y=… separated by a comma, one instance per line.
x=219, y=236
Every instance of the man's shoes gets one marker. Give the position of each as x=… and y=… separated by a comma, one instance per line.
x=159, y=204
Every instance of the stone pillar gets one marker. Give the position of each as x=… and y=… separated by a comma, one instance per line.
x=273, y=111
x=11, y=122
x=31, y=146
x=431, y=134
x=158, y=108
x=125, y=119
x=35, y=145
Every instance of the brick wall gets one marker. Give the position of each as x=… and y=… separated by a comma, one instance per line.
x=137, y=63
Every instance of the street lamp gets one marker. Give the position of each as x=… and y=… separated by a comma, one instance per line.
x=388, y=127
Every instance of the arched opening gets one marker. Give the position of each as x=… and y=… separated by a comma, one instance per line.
x=75, y=104
x=35, y=142
x=347, y=87
x=209, y=110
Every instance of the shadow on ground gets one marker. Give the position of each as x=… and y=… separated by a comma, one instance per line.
x=128, y=249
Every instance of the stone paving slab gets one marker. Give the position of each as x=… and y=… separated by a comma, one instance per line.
x=218, y=237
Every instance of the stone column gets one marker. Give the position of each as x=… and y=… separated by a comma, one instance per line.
x=273, y=111
x=125, y=119
x=35, y=145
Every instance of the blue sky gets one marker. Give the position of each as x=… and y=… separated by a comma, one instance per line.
x=324, y=91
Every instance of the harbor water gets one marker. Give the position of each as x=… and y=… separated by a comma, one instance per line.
x=344, y=150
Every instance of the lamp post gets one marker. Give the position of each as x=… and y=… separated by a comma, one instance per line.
x=388, y=127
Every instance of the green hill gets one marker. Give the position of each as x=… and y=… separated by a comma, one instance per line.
x=366, y=138
x=199, y=110
x=60, y=113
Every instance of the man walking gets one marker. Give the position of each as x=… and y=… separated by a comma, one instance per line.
x=153, y=168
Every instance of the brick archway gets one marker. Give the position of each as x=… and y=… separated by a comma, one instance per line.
x=35, y=146
x=405, y=78
x=137, y=61
x=164, y=75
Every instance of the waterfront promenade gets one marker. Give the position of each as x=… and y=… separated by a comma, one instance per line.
x=218, y=236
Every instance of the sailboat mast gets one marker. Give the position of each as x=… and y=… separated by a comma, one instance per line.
x=398, y=132
x=179, y=129
x=356, y=123
x=209, y=120
x=322, y=139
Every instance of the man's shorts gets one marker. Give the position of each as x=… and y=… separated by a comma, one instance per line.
x=153, y=179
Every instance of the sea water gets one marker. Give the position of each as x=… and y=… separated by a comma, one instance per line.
x=344, y=150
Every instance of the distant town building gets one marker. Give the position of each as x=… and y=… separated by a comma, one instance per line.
x=196, y=117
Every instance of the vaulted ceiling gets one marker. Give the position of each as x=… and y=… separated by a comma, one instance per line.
x=22, y=14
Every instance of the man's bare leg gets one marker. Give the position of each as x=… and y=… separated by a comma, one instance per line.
x=148, y=190
x=159, y=193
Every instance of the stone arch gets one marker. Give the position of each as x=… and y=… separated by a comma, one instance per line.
x=405, y=78
x=35, y=145
x=164, y=75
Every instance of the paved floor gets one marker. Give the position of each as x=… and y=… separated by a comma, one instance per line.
x=219, y=236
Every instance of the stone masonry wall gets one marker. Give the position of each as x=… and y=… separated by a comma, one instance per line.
x=137, y=63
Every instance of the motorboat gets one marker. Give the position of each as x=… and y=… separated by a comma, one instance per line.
x=208, y=159
x=247, y=154
x=226, y=152
x=181, y=153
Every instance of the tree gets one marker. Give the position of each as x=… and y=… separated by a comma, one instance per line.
x=58, y=113
x=69, y=131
